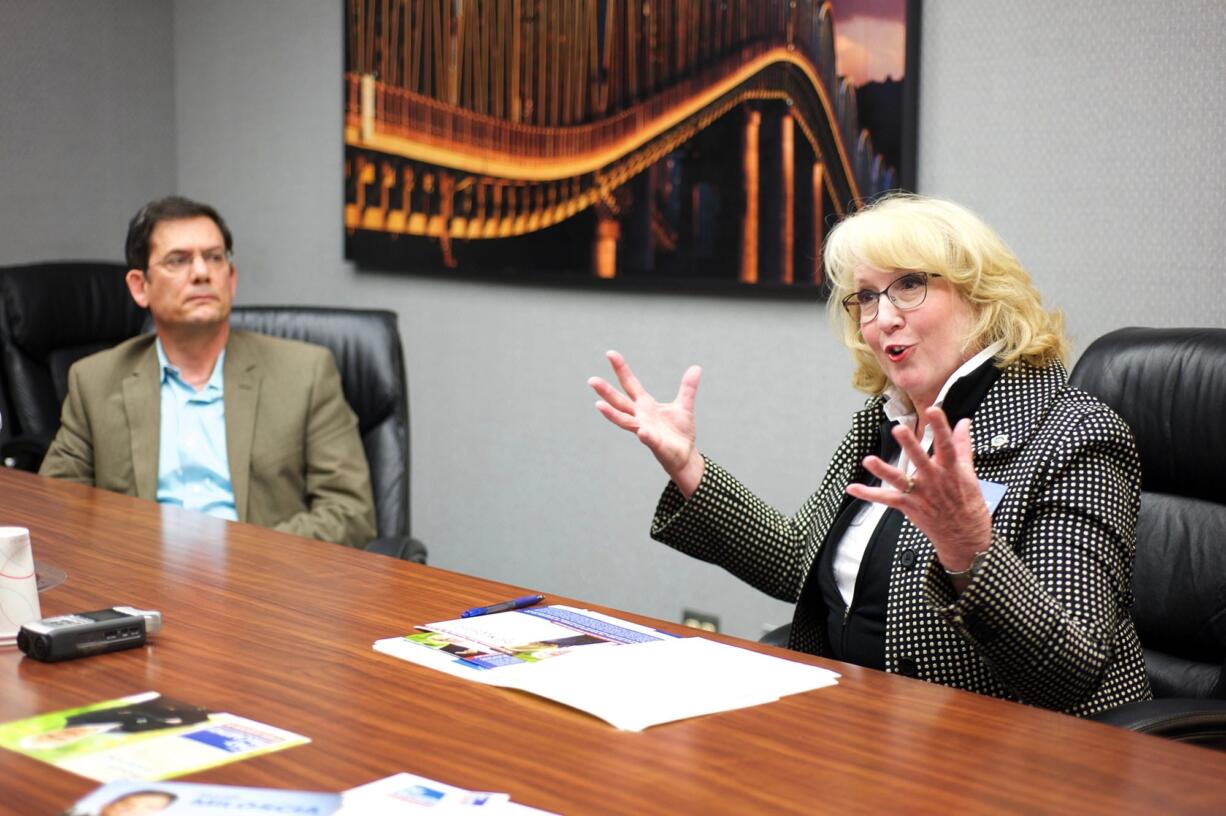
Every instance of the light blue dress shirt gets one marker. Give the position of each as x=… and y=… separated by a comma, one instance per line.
x=193, y=468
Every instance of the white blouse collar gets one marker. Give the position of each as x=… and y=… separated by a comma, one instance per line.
x=898, y=407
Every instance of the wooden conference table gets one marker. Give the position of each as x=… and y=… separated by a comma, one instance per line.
x=279, y=629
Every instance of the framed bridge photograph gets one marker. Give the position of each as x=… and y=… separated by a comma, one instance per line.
x=687, y=144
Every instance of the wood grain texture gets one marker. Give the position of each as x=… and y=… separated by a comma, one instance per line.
x=279, y=629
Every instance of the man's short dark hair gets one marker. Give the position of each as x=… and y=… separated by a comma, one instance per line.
x=170, y=208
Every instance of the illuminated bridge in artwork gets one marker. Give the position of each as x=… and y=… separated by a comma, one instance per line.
x=601, y=133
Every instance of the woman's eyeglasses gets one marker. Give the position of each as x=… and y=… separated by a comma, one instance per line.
x=906, y=292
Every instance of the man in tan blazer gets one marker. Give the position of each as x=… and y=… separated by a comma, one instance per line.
x=265, y=437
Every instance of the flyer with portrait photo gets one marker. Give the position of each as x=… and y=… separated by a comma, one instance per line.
x=190, y=799
x=144, y=736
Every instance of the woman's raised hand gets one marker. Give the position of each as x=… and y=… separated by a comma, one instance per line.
x=667, y=429
x=942, y=498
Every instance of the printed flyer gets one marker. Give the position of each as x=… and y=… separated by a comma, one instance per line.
x=145, y=736
x=528, y=635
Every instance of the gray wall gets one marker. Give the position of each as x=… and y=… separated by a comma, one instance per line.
x=86, y=123
x=1090, y=134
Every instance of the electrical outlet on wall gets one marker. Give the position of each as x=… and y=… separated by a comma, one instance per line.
x=700, y=620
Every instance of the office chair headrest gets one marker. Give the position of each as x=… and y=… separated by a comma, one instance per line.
x=64, y=304
x=1169, y=385
x=365, y=343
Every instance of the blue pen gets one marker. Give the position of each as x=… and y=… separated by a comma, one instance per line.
x=505, y=606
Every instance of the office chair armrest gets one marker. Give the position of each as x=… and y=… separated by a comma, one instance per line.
x=777, y=636
x=1202, y=722
x=24, y=452
x=406, y=548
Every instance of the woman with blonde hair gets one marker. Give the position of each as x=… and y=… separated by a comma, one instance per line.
x=976, y=527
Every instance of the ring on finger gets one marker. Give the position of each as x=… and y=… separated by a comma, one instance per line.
x=910, y=485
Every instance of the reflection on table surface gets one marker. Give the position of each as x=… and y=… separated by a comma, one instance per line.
x=48, y=576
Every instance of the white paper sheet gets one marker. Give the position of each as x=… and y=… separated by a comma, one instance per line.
x=636, y=685
x=639, y=685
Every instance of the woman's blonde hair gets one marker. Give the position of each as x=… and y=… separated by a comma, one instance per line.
x=908, y=232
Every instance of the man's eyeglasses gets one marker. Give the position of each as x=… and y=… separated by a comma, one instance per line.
x=905, y=293
x=176, y=263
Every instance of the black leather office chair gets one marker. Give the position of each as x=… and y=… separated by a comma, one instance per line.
x=5, y=411
x=369, y=355
x=51, y=315
x=1169, y=385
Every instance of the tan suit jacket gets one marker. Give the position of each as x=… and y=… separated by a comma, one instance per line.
x=296, y=460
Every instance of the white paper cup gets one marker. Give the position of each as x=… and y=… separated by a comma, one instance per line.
x=18, y=587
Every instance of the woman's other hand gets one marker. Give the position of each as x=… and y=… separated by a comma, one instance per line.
x=667, y=429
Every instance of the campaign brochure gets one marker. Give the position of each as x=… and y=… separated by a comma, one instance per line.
x=407, y=794
x=401, y=793
x=528, y=635
x=190, y=799
x=144, y=736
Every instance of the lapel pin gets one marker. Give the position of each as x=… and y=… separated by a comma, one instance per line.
x=1000, y=440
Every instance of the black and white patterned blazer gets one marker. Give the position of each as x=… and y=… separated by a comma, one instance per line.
x=1045, y=621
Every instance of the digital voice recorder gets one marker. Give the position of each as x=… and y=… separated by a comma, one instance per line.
x=87, y=633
